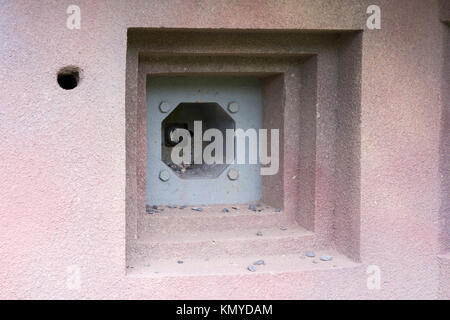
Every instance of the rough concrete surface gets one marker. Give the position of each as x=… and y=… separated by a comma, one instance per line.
x=69, y=174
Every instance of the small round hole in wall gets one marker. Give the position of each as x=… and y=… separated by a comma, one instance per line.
x=68, y=77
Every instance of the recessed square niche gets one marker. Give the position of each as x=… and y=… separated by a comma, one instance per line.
x=307, y=85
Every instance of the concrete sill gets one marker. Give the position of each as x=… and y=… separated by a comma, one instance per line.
x=275, y=264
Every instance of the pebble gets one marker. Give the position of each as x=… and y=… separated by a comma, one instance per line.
x=182, y=207
x=252, y=207
x=172, y=206
x=225, y=210
x=310, y=254
x=326, y=257
x=235, y=208
x=180, y=261
x=277, y=210
x=251, y=268
x=197, y=209
x=259, y=263
x=259, y=234
x=315, y=261
x=283, y=228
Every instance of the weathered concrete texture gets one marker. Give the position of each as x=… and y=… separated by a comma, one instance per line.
x=63, y=166
x=444, y=212
x=444, y=11
x=400, y=128
x=444, y=276
x=445, y=145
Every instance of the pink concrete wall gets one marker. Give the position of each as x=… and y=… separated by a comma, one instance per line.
x=62, y=168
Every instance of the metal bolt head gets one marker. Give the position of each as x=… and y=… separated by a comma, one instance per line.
x=233, y=107
x=164, y=175
x=164, y=107
x=233, y=174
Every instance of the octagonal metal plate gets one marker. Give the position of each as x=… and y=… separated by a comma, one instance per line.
x=247, y=92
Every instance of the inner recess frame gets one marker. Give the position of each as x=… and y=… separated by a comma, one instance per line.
x=316, y=78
